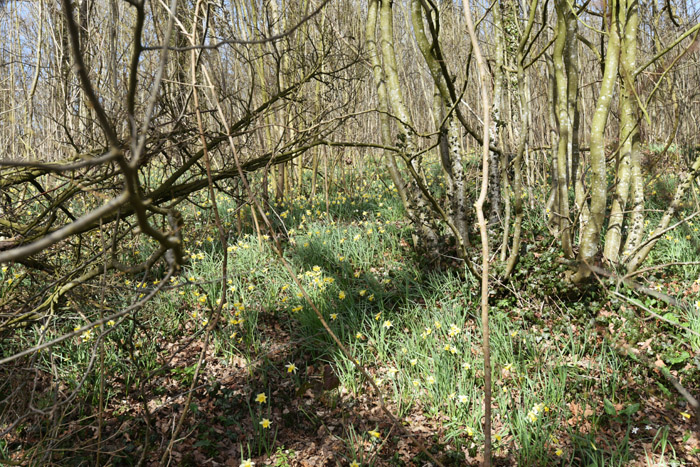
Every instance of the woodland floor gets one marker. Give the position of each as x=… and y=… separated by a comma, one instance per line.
x=578, y=372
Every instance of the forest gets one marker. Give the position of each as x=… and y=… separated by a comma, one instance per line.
x=350, y=233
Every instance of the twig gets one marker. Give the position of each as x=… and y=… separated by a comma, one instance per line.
x=233, y=41
x=655, y=315
x=99, y=322
x=692, y=401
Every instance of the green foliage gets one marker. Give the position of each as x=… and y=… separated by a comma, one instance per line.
x=417, y=331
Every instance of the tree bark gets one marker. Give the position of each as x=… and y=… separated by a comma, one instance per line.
x=564, y=126
x=590, y=237
x=629, y=128
x=417, y=208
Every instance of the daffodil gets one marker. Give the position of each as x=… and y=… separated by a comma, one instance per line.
x=291, y=368
x=261, y=398
x=533, y=415
x=265, y=423
x=374, y=434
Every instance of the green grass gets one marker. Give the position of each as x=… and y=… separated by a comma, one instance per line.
x=418, y=333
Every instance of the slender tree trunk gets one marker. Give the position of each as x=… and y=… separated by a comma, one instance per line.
x=497, y=186
x=418, y=208
x=317, y=151
x=451, y=154
x=552, y=203
x=686, y=180
x=486, y=347
x=382, y=103
x=523, y=85
x=571, y=65
x=629, y=124
x=599, y=184
x=260, y=79
x=564, y=125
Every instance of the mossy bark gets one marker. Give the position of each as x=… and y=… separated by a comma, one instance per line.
x=450, y=147
x=382, y=104
x=523, y=85
x=590, y=236
x=418, y=207
x=564, y=126
x=629, y=128
x=497, y=184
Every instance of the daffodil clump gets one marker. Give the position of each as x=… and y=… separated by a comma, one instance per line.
x=536, y=412
x=315, y=279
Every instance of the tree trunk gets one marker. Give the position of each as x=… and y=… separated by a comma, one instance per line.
x=497, y=186
x=629, y=124
x=451, y=155
x=417, y=208
x=382, y=104
x=523, y=85
x=564, y=125
x=590, y=237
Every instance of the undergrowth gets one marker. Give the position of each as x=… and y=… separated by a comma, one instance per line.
x=564, y=391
